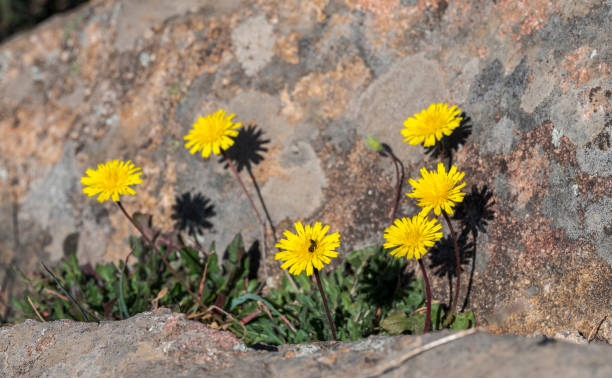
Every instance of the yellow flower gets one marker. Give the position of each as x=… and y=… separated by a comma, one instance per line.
x=111, y=179
x=212, y=133
x=412, y=237
x=432, y=124
x=438, y=190
x=309, y=249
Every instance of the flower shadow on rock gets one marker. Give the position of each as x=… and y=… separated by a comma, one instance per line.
x=192, y=213
x=475, y=211
x=246, y=152
x=254, y=254
x=474, y=214
x=449, y=144
x=248, y=148
x=443, y=262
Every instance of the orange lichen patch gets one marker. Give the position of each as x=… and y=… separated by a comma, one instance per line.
x=527, y=174
x=157, y=192
x=117, y=247
x=43, y=342
x=328, y=93
x=270, y=166
x=575, y=65
x=34, y=141
x=287, y=48
x=528, y=15
x=315, y=6
x=91, y=56
x=292, y=12
x=377, y=7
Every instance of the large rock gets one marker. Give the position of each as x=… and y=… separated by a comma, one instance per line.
x=125, y=79
x=161, y=344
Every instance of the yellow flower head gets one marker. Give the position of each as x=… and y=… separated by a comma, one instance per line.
x=438, y=190
x=412, y=237
x=212, y=133
x=309, y=249
x=111, y=179
x=431, y=124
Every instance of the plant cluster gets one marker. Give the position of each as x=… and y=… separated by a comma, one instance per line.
x=369, y=291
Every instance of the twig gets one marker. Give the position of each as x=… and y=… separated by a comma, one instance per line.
x=213, y=307
x=248, y=318
x=595, y=329
x=36, y=310
x=397, y=362
x=201, y=288
x=53, y=292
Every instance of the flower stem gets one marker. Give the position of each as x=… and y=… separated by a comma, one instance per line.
x=235, y=171
x=161, y=255
x=449, y=318
x=428, y=292
x=261, y=200
x=329, y=318
x=399, y=176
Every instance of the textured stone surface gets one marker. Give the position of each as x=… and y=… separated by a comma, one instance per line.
x=119, y=79
x=164, y=344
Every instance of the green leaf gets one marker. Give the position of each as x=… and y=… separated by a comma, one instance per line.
x=373, y=143
x=253, y=297
x=463, y=321
x=397, y=322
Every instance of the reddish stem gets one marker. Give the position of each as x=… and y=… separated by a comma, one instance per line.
x=329, y=318
x=396, y=189
x=428, y=291
x=235, y=171
x=202, y=280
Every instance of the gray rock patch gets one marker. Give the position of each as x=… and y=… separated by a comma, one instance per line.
x=561, y=204
x=410, y=85
x=254, y=43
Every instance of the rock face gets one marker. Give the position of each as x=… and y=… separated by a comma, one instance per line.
x=125, y=80
x=163, y=344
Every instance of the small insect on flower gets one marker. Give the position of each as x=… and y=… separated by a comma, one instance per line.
x=307, y=250
x=431, y=124
x=411, y=237
x=313, y=246
x=438, y=190
x=212, y=133
x=111, y=179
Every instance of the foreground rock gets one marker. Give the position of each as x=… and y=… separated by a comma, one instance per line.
x=161, y=344
x=122, y=79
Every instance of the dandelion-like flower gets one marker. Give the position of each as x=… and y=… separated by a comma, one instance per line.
x=431, y=124
x=111, y=179
x=309, y=249
x=212, y=133
x=411, y=237
x=438, y=190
